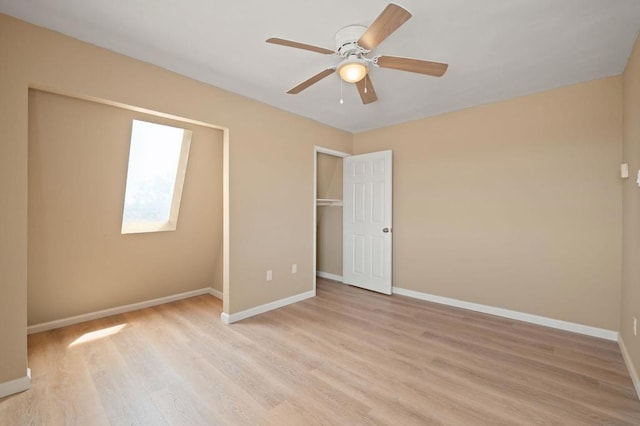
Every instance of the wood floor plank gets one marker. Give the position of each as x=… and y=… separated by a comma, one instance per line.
x=402, y=372
x=347, y=356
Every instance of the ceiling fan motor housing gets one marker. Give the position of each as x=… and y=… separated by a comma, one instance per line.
x=347, y=40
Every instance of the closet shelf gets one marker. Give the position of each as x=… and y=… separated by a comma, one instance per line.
x=334, y=202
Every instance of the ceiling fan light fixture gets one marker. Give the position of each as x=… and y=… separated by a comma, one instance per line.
x=352, y=70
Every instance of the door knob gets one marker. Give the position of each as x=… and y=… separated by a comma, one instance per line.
x=385, y=230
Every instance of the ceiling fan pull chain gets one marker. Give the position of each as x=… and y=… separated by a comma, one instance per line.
x=365, y=84
x=341, y=100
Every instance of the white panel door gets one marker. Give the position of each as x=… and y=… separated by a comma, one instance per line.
x=367, y=221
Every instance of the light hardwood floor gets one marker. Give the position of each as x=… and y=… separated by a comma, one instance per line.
x=346, y=357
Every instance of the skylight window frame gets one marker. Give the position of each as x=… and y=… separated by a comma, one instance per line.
x=172, y=223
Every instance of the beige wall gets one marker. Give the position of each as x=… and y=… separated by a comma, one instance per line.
x=515, y=204
x=270, y=167
x=78, y=261
x=329, y=218
x=631, y=208
x=329, y=176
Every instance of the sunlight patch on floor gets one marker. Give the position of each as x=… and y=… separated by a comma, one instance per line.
x=98, y=334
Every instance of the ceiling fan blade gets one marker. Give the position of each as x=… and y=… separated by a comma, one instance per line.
x=370, y=94
x=435, y=69
x=297, y=45
x=313, y=80
x=391, y=18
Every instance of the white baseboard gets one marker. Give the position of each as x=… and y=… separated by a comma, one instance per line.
x=37, y=328
x=215, y=293
x=238, y=316
x=329, y=276
x=506, y=313
x=17, y=385
x=632, y=370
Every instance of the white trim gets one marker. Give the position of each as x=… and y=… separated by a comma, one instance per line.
x=322, y=150
x=215, y=293
x=17, y=385
x=238, y=316
x=506, y=313
x=226, y=220
x=329, y=276
x=37, y=328
x=632, y=371
x=314, y=251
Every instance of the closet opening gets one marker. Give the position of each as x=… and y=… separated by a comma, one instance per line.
x=328, y=236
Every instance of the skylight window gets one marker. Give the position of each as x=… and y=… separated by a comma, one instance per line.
x=157, y=165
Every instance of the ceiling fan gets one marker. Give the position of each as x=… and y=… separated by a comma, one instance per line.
x=354, y=43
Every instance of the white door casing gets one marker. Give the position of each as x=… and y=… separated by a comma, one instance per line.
x=367, y=221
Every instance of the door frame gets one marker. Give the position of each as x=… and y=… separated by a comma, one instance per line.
x=319, y=150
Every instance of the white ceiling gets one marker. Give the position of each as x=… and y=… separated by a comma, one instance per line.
x=496, y=49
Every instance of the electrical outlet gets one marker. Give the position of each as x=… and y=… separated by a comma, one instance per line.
x=294, y=268
x=635, y=326
x=269, y=275
x=624, y=170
